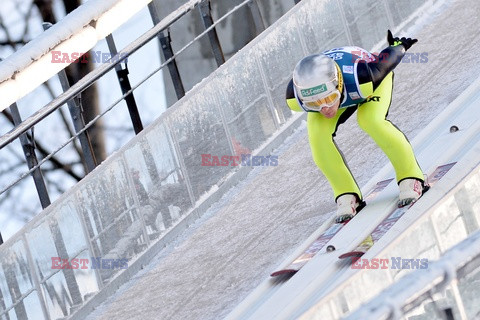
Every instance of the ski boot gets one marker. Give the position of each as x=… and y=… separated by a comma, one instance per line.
x=410, y=191
x=348, y=205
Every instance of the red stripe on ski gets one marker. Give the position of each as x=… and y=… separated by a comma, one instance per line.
x=323, y=239
x=396, y=214
x=352, y=254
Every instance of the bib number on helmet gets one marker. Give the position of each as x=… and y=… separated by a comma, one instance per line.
x=336, y=55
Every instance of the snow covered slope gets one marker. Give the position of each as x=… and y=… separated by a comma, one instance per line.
x=277, y=300
x=258, y=224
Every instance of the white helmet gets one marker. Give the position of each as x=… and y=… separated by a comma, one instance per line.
x=317, y=81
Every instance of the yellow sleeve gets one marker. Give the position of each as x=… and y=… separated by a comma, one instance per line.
x=293, y=104
x=366, y=89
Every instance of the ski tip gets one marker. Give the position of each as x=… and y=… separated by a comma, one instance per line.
x=284, y=272
x=351, y=254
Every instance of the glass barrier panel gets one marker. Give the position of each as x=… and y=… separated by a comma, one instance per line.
x=16, y=282
x=320, y=312
x=58, y=295
x=33, y=310
x=57, y=244
x=435, y=307
x=278, y=53
x=417, y=249
x=61, y=297
x=340, y=304
x=271, y=14
x=244, y=103
x=321, y=27
x=200, y=134
x=468, y=288
x=158, y=180
x=449, y=223
x=367, y=22
x=115, y=228
x=468, y=198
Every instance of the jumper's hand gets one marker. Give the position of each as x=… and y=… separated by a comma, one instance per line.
x=395, y=41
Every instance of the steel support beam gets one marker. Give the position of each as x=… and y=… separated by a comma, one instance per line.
x=257, y=16
x=206, y=14
x=28, y=146
x=124, y=81
x=167, y=51
x=74, y=107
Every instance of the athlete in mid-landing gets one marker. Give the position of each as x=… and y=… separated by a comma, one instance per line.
x=331, y=86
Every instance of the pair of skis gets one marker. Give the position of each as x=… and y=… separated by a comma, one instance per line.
x=318, y=244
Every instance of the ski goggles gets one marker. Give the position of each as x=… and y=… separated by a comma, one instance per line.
x=317, y=103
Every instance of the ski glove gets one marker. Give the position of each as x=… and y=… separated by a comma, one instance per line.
x=406, y=42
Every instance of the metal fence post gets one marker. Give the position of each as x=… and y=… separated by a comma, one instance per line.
x=166, y=44
x=257, y=16
x=205, y=12
x=77, y=119
x=166, y=48
x=124, y=81
x=28, y=146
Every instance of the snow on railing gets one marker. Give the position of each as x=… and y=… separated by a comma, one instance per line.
x=30, y=66
x=421, y=285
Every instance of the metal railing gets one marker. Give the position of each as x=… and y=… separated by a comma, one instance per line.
x=70, y=93
x=416, y=290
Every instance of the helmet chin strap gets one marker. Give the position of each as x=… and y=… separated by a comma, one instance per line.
x=340, y=83
x=340, y=79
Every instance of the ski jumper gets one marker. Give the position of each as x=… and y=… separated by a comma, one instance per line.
x=367, y=89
